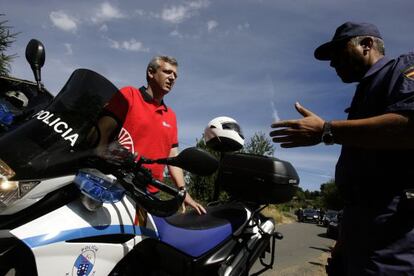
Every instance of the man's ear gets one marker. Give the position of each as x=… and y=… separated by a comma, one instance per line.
x=150, y=73
x=367, y=43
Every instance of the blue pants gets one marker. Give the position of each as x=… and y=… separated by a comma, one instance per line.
x=378, y=239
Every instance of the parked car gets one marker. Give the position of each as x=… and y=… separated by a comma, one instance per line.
x=310, y=215
x=329, y=216
x=332, y=229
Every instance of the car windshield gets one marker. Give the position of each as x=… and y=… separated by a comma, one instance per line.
x=309, y=212
x=331, y=214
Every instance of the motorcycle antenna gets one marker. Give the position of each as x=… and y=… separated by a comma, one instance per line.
x=35, y=55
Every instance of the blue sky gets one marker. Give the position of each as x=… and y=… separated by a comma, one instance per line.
x=247, y=59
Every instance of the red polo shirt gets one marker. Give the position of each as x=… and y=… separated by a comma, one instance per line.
x=148, y=129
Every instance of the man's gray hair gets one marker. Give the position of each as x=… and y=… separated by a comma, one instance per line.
x=378, y=43
x=154, y=63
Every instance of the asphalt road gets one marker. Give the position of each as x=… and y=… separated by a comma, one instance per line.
x=302, y=251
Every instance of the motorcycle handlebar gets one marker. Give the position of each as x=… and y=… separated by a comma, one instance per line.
x=193, y=159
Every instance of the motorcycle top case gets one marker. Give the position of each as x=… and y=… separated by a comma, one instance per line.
x=257, y=178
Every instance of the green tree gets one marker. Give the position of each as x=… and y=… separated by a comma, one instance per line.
x=260, y=144
x=7, y=37
x=331, y=198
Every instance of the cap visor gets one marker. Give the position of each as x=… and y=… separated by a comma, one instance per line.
x=323, y=52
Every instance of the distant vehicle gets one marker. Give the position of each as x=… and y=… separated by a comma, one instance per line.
x=329, y=216
x=310, y=215
x=332, y=229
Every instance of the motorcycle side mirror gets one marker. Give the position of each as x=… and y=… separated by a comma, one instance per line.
x=194, y=160
x=35, y=55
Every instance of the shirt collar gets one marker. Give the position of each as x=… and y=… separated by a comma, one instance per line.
x=376, y=67
x=149, y=99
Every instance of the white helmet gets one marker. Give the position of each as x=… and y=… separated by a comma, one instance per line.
x=223, y=134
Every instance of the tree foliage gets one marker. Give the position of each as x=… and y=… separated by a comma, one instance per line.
x=259, y=144
x=330, y=195
x=7, y=37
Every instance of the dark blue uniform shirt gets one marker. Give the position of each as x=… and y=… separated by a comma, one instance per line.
x=378, y=228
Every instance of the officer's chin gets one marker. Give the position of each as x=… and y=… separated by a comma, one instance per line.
x=347, y=79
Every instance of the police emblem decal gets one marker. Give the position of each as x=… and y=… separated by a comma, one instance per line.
x=84, y=263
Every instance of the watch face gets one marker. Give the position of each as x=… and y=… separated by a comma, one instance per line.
x=328, y=139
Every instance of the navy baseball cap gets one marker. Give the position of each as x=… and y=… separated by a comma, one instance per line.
x=343, y=33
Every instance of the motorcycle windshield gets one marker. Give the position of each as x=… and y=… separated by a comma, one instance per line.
x=55, y=140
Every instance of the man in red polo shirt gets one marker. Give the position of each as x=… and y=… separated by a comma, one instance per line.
x=146, y=125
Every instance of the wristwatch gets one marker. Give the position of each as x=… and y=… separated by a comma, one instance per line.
x=327, y=136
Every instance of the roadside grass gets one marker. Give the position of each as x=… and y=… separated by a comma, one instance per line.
x=279, y=216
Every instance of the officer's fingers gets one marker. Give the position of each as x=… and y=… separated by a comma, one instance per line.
x=282, y=139
x=278, y=132
x=289, y=145
x=303, y=111
x=286, y=123
x=285, y=132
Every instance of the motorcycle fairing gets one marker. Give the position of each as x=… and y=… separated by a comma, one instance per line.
x=55, y=140
x=196, y=234
x=73, y=221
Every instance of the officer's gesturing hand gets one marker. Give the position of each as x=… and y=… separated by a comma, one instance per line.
x=306, y=131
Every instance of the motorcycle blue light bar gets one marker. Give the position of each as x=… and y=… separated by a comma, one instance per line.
x=98, y=186
x=6, y=117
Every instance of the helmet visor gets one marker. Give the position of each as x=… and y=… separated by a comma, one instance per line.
x=233, y=126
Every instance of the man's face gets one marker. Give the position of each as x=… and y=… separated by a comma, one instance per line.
x=349, y=62
x=164, y=77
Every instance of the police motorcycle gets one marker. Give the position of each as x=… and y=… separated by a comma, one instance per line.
x=64, y=210
x=19, y=99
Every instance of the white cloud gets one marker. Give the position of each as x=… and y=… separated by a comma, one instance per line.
x=140, y=12
x=198, y=4
x=176, y=33
x=63, y=21
x=107, y=12
x=103, y=28
x=131, y=45
x=69, y=50
x=244, y=26
x=212, y=24
x=177, y=14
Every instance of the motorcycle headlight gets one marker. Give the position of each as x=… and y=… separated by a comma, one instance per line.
x=11, y=191
x=98, y=186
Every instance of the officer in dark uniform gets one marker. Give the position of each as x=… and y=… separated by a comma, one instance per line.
x=374, y=173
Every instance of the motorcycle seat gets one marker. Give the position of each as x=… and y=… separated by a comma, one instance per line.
x=196, y=234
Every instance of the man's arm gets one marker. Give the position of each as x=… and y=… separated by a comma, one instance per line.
x=178, y=178
x=387, y=131
x=106, y=125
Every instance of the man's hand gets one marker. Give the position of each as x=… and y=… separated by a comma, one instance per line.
x=191, y=202
x=306, y=131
